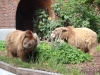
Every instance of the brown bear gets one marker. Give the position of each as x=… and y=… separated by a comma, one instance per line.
x=81, y=38
x=21, y=43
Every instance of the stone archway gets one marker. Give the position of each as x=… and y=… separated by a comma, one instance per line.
x=26, y=9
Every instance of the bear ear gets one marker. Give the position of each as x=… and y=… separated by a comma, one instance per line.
x=64, y=29
x=28, y=33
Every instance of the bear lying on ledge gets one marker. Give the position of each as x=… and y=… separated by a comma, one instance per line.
x=81, y=38
x=21, y=44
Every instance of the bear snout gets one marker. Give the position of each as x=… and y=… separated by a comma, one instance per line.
x=25, y=48
x=53, y=35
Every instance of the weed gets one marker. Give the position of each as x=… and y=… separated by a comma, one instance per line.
x=52, y=57
x=98, y=48
x=60, y=53
x=2, y=45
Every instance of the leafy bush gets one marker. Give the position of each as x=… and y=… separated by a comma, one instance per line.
x=52, y=57
x=97, y=3
x=79, y=13
x=43, y=23
x=57, y=68
x=60, y=53
x=98, y=48
x=40, y=21
x=2, y=45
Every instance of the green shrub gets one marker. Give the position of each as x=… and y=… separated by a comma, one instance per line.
x=40, y=21
x=79, y=13
x=59, y=68
x=60, y=53
x=43, y=23
x=98, y=48
x=2, y=45
x=52, y=57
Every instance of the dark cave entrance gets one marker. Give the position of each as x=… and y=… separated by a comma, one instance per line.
x=25, y=11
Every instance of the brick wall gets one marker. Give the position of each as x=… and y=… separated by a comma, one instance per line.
x=2, y=13
x=7, y=13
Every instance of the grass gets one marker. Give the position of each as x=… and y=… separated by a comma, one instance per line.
x=60, y=68
x=2, y=45
x=15, y=61
x=60, y=53
x=98, y=48
x=50, y=65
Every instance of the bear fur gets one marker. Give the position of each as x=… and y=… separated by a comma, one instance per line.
x=21, y=43
x=81, y=38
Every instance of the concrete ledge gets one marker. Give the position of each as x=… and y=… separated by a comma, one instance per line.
x=7, y=67
x=24, y=71
x=4, y=32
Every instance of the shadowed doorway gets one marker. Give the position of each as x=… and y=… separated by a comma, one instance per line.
x=24, y=14
x=25, y=11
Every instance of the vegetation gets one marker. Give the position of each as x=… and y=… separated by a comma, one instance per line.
x=52, y=57
x=60, y=53
x=55, y=56
x=2, y=45
x=41, y=66
x=79, y=13
x=15, y=61
x=98, y=48
x=40, y=21
x=43, y=23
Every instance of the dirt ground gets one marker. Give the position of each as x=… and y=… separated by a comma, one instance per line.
x=88, y=68
x=92, y=67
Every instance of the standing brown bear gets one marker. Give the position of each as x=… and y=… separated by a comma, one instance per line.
x=21, y=43
x=81, y=38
